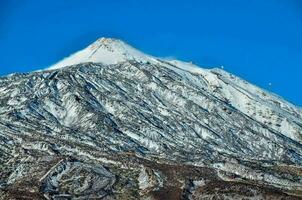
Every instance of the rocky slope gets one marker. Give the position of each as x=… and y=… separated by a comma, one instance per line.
x=110, y=122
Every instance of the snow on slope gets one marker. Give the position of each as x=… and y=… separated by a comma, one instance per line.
x=112, y=51
x=139, y=113
x=251, y=100
x=105, y=51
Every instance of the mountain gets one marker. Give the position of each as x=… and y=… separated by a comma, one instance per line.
x=110, y=122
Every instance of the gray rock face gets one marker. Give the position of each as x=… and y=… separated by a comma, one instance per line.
x=139, y=127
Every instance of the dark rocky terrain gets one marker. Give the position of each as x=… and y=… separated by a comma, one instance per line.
x=110, y=122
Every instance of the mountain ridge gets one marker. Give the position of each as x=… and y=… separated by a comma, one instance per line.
x=126, y=52
x=145, y=128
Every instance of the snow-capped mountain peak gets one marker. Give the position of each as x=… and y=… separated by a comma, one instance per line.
x=113, y=51
x=105, y=51
x=127, y=123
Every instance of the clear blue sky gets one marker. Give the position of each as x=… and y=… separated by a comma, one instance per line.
x=258, y=40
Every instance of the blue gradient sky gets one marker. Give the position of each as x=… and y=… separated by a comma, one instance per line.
x=258, y=40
